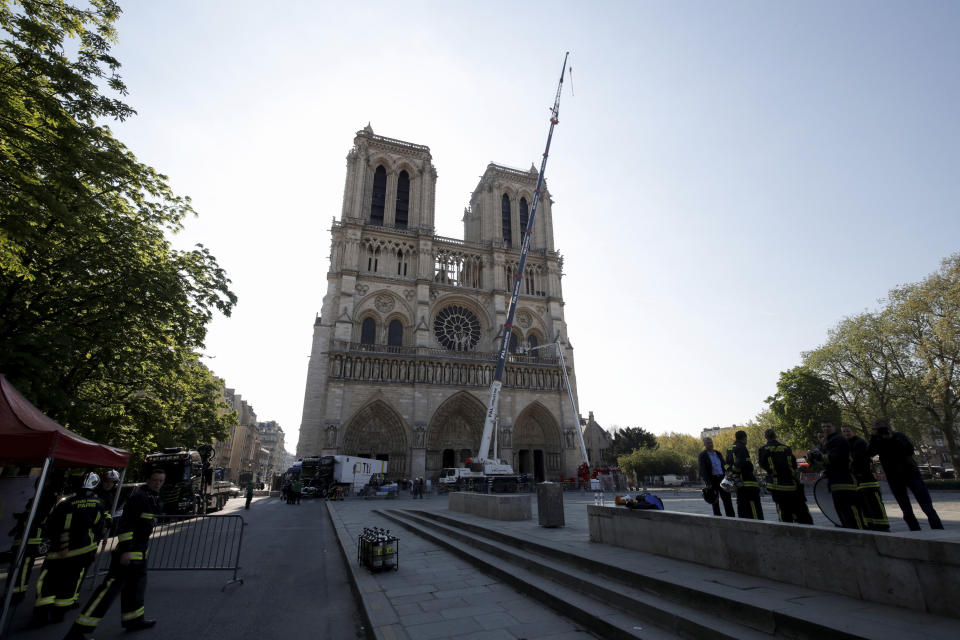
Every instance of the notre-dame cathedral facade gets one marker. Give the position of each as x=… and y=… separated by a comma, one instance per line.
x=405, y=346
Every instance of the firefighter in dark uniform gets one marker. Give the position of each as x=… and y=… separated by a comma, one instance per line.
x=74, y=528
x=740, y=469
x=778, y=461
x=834, y=453
x=128, y=566
x=48, y=498
x=871, y=503
x=107, y=491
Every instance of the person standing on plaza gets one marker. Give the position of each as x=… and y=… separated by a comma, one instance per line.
x=740, y=468
x=128, y=566
x=778, y=461
x=834, y=453
x=868, y=488
x=896, y=457
x=107, y=492
x=249, y=495
x=296, y=487
x=74, y=527
x=711, y=473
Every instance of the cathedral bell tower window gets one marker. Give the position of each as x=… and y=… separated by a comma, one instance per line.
x=379, y=195
x=506, y=223
x=524, y=215
x=368, y=331
x=403, y=200
x=395, y=334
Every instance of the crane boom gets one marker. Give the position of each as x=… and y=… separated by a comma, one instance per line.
x=494, y=402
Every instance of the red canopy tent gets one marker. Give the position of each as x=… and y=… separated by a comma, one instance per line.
x=28, y=437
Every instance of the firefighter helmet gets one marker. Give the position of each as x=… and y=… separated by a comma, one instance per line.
x=91, y=481
x=112, y=476
x=728, y=485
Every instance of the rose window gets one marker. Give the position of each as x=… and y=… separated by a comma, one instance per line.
x=457, y=328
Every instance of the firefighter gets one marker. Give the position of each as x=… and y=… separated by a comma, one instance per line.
x=74, y=528
x=834, y=452
x=868, y=488
x=740, y=469
x=107, y=491
x=896, y=457
x=48, y=498
x=778, y=461
x=128, y=565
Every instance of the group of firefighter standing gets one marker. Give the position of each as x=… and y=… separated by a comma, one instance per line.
x=847, y=466
x=75, y=526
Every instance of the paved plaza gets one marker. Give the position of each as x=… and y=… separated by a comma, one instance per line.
x=435, y=594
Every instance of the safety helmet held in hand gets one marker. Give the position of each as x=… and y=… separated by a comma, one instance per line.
x=91, y=481
x=728, y=485
x=710, y=495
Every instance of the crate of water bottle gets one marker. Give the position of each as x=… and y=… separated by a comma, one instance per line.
x=377, y=550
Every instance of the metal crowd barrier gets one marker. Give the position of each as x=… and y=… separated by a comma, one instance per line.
x=189, y=543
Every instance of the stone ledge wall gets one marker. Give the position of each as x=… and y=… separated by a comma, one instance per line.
x=493, y=506
x=913, y=573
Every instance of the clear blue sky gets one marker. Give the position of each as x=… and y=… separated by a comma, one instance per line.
x=730, y=178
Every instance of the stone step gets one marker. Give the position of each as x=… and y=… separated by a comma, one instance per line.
x=609, y=610
x=765, y=605
x=715, y=598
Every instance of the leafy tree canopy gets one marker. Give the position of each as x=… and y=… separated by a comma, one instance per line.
x=102, y=320
x=629, y=439
x=903, y=361
x=802, y=401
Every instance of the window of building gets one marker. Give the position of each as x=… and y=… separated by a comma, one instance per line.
x=505, y=221
x=395, y=334
x=368, y=331
x=514, y=341
x=457, y=328
x=524, y=216
x=379, y=195
x=532, y=342
x=373, y=259
x=403, y=200
x=401, y=263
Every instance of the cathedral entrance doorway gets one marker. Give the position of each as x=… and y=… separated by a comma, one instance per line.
x=378, y=432
x=534, y=467
x=537, y=444
x=454, y=433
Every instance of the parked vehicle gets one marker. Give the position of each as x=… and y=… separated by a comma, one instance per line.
x=190, y=486
x=673, y=480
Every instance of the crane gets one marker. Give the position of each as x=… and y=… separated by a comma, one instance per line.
x=491, y=464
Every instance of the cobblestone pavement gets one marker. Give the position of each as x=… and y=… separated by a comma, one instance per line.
x=434, y=594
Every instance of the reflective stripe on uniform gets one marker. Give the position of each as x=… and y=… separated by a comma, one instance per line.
x=148, y=516
x=127, y=535
x=88, y=621
x=88, y=614
x=843, y=487
x=126, y=617
x=136, y=555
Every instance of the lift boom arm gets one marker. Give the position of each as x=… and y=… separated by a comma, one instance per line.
x=494, y=402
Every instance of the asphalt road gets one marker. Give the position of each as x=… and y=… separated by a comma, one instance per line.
x=294, y=586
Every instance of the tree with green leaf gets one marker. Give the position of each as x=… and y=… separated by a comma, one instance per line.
x=927, y=320
x=802, y=401
x=629, y=439
x=102, y=320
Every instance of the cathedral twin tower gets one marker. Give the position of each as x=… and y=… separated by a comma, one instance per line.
x=405, y=346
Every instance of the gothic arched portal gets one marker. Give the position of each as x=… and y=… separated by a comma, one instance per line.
x=377, y=431
x=454, y=432
x=537, y=443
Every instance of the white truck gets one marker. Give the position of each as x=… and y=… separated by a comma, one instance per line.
x=355, y=473
x=476, y=475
